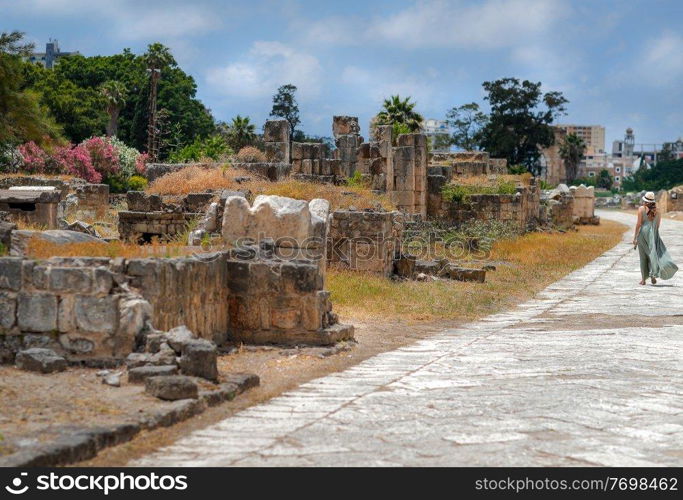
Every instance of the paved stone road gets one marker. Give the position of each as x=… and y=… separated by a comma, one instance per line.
x=590, y=372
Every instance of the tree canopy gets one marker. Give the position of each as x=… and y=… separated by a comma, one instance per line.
x=572, y=150
x=520, y=121
x=22, y=118
x=466, y=121
x=397, y=111
x=285, y=106
x=72, y=93
x=664, y=175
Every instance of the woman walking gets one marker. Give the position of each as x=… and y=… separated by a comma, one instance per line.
x=654, y=259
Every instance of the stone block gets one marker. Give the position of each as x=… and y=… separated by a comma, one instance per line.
x=10, y=273
x=276, y=131
x=199, y=359
x=6, y=229
x=8, y=310
x=172, y=387
x=179, y=336
x=97, y=314
x=65, y=316
x=141, y=373
x=345, y=125
x=40, y=360
x=71, y=280
x=37, y=312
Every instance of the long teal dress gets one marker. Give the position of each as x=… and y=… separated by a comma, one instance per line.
x=655, y=261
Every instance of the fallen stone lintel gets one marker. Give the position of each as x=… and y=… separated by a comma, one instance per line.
x=76, y=445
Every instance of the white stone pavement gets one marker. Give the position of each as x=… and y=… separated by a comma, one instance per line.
x=540, y=385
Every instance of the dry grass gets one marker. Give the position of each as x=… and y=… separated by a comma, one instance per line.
x=525, y=265
x=196, y=179
x=46, y=176
x=493, y=180
x=41, y=249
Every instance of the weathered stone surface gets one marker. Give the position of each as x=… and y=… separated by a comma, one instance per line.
x=112, y=379
x=6, y=229
x=97, y=314
x=276, y=131
x=40, y=360
x=179, y=336
x=345, y=125
x=74, y=280
x=172, y=387
x=10, y=273
x=142, y=373
x=21, y=237
x=37, y=312
x=8, y=310
x=199, y=359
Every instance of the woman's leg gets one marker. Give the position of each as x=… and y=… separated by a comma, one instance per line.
x=644, y=263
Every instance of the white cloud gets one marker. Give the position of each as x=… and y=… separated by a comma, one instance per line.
x=267, y=66
x=662, y=60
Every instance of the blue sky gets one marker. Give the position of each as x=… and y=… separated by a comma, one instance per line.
x=620, y=63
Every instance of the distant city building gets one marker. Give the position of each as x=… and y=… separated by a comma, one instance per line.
x=625, y=147
x=50, y=56
x=434, y=130
x=593, y=136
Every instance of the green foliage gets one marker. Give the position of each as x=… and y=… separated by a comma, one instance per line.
x=481, y=235
x=664, y=175
x=460, y=193
x=402, y=111
x=285, y=106
x=114, y=94
x=517, y=169
x=137, y=183
x=572, y=150
x=357, y=180
x=546, y=185
x=519, y=122
x=3, y=249
x=72, y=92
x=22, y=118
x=239, y=133
x=215, y=148
x=604, y=180
x=117, y=183
x=397, y=129
x=467, y=122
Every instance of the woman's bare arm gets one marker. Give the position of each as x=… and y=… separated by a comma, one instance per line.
x=638, y=224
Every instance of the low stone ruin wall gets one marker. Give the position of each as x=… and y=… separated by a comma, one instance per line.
x=365, y=240
x=92, y=197
x=74, y=306
x=466, y=164
x=142, y=227
x=584, y=204
x=37, y=208
x=22, y=180
x=521, y=209
x=675, y=199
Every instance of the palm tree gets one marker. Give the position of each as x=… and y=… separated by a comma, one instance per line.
x=156, y=58
x=572, y=150
x=115, y=96
x=241, y=132
x=396, y=110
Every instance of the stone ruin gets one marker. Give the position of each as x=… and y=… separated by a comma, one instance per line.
x=465, y=164
x=584, y=205
x=149, y=216
x=31, y=205
x=557, y=208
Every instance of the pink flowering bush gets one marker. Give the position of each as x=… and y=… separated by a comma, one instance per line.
x=141, y=163
x=76, y=160
x=35, y=159
x=103, y=155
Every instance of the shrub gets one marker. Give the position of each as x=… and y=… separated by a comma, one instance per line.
x=128, y=157
x=103, y=155
x=250, y=154
x=214, y=147
x=76, y=161
x=36, y=160
x=141, y=163
x=137, y=183
x=357, y=180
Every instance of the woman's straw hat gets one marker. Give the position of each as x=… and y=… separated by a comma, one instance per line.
x=649, y=197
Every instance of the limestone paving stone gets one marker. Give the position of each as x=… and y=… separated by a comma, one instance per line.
x=526, y=387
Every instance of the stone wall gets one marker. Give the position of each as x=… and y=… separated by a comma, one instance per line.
x=273, y=171
x=276, y=136
x=72, y=305
x=407, y=180
x=23, y=180
x=557, y=208
x=92, y=198
x=365, y=240
x=347, y=139
x=31, y=207
x=521, y=209
x=141, y=227
x=675, y=201
x=467, y=164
